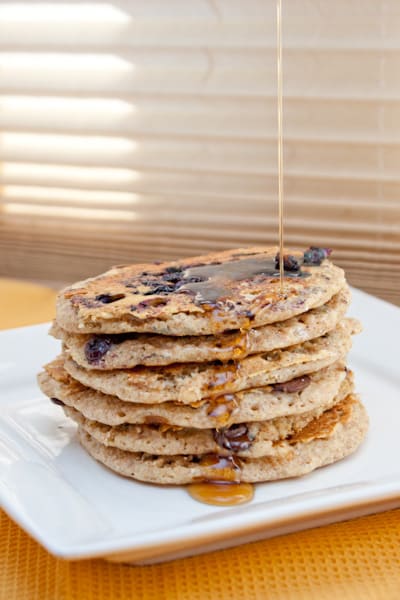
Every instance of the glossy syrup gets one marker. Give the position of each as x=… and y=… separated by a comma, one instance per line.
x=210, y=283
x=224, y=374
x=221, y=469
x=221, y=408
x=221, y=493
x=222, y=485
x=235, y=346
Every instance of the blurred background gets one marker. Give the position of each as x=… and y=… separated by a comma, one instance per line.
x=136, y=130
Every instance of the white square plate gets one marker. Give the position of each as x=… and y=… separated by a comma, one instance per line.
x=78, y=509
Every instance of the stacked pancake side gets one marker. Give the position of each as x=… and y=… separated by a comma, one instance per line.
x=205, y=370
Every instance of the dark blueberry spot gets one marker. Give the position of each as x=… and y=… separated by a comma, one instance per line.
x=149, y=282
x=194, y=279
x=172, y=277
x=315, y=256
x=160, y=289
x=149, y=303
x=135, y=282
x=123, y=337
x=96, y=348
x=108, y=298
x=217, y=363
x=290, y=263
x=88, y=302
x=163, y=289
x=295, y=385
x=57, y=401
x=234, y=438
x=173, y=270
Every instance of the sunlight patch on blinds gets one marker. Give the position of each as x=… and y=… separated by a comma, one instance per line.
x=139, y=130
x=17, y=142
x=56, y=61
x=47, y=12
x=37, y=105
x=67, y=212
x=71, y=174
x=68, y=195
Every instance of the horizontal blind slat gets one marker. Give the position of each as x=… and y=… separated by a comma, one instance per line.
x=372, y=162
x=234, y=71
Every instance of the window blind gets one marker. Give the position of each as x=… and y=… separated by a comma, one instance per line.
x=135, y=130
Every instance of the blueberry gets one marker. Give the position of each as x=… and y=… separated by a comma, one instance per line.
x=315, y=256
x=195, y=279
x=96, y=348
x=57, y=401
x=294, y=385
x=234, y=438
x=290, y=263
x=163, y=289
x=159, y=289
x=108, y=298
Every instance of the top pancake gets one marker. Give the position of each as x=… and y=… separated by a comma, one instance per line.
x=128, y=350
x=203, y=295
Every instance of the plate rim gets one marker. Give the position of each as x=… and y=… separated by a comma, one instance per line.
x=371, y=496
x=338, y=507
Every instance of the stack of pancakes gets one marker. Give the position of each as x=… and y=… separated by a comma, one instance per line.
x=207, y=369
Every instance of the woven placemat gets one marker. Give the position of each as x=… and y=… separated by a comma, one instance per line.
x=356, y=560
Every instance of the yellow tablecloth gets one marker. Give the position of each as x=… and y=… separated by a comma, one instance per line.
x=356, y=560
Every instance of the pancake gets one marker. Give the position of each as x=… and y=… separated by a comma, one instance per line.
x=125, y=351
x=209, y=294
x=327, y=439
x=257, y=404
x=244, y=439
x=188, y=383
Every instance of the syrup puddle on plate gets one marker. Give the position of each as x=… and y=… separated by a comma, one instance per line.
x=220, y=493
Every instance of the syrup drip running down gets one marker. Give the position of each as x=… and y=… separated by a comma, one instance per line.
x=221, y=469
x=222, y=486
x=221, y=408
x=235, y=347
x=224, y=375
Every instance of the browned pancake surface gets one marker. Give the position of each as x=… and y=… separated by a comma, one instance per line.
x=203, y=295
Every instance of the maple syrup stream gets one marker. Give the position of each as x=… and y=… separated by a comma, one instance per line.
x=228, y=493
x=280, y=132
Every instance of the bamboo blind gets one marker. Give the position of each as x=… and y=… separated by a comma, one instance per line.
x=136, y=130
